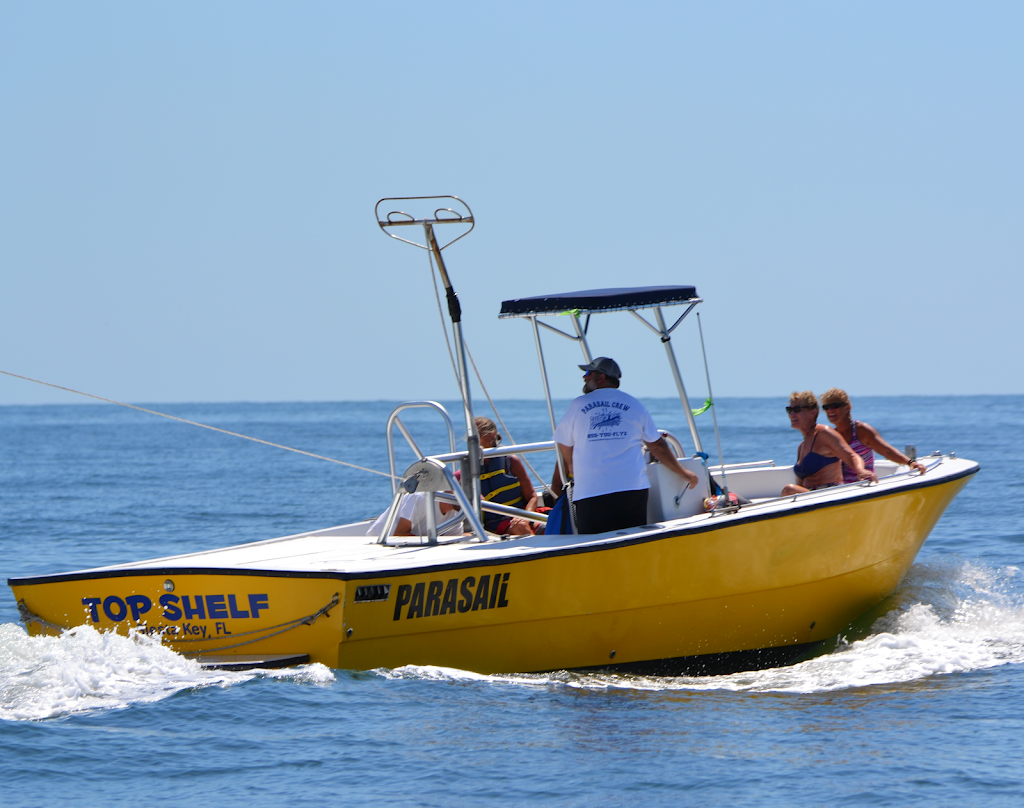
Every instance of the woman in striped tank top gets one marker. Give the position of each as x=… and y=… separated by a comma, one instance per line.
x=863, y=438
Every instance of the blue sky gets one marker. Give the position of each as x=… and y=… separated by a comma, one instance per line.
x=187, y=192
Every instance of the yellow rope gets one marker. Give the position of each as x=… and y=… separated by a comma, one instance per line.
x=196, y=423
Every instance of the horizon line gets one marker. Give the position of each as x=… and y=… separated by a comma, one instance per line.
x=481, y=404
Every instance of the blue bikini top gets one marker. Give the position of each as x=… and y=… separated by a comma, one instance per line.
x=812, y=462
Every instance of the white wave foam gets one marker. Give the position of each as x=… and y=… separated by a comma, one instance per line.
x=438, y=673
x=84, y=669
x=951, y=617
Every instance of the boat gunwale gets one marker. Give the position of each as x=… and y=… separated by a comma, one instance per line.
x=613, y=542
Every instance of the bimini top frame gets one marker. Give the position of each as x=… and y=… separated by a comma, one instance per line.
x=593, y=301
x=596, y=301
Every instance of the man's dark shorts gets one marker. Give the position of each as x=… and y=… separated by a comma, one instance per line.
x=611, y=511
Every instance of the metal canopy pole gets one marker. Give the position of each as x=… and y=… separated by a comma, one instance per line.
x=543, y=371
x=547, y=395
x=583, y=340
x=666, y=340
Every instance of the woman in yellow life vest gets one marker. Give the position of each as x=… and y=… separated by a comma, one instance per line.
x=504, y=480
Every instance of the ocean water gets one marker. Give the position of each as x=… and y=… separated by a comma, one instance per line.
x=919, y=702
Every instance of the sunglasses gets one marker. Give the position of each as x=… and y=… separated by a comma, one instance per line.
x=799, y=408
x=834, y=406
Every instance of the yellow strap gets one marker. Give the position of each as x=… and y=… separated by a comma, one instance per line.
x=497, y=491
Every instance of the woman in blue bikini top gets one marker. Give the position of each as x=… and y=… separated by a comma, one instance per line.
x=822, y=468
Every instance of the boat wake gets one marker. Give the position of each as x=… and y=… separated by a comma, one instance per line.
x=952, y=617
x=84, y=670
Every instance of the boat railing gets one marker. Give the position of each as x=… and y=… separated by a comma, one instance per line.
x=674, y=443
x=430, y=474
x=498, y=451
x=431, y=477
x=820, y=493
x=496, y=507
x=440, y=538
x=751, y=465
x=394, y=420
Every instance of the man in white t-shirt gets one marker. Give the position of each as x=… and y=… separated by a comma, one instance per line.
x=412, y=518
x=601, y=437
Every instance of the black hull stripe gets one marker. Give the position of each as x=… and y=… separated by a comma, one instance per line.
x=625, y=541
x=713, y=664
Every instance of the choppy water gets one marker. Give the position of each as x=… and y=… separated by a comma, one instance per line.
x=918, y=702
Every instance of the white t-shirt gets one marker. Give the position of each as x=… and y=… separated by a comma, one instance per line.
x=605, y=429
x=414, y=508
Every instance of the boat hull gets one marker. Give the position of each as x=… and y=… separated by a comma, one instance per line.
x=688, y=597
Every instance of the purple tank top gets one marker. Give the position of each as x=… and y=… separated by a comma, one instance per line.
x=866, y=453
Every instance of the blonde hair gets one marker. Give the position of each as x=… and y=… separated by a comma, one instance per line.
x=804, y=399
x=835, y=396
x=485, y=425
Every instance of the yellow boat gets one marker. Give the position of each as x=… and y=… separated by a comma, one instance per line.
x=737, y=588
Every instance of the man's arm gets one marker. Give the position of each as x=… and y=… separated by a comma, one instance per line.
x=566, y=458
x=556, y=482
x=661, y=452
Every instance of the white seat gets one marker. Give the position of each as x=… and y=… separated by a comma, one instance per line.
x=670, y=497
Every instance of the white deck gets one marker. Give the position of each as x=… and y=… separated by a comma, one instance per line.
x=347, y=549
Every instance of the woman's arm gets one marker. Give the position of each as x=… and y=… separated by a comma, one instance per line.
x=403, y=527
x=841, y=449
x=869, y=437
x=525, y=483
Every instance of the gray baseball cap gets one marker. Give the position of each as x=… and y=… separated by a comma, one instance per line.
x=604, y=365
